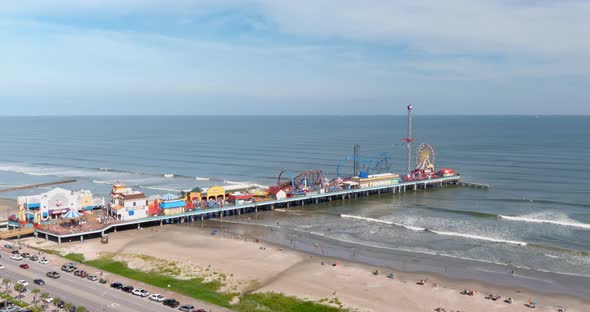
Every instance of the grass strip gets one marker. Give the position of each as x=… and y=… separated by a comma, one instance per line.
x=209, y=291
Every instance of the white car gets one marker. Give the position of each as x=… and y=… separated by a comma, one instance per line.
x=44, y=261
x=141, y=292
x=23, y=282
x=16, y=257
x=1, y=266
x=157, y=297
x=48, y=300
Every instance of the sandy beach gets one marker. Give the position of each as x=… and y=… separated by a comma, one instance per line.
x=7, y=207
x=244, y=265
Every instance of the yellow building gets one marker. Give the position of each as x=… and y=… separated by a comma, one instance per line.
x=215, y=192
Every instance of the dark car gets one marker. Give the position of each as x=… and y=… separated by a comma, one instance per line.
x=127, y=289
x=171, y=302
x=14, y=252
x=61, y=304
x=25, y=254
x=34, y=258
x=117, y=285
x=200, y=310
x=39, y=281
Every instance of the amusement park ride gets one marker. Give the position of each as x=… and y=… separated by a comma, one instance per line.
x=356, y=166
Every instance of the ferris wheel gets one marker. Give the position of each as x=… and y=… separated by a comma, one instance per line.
x=425, y=157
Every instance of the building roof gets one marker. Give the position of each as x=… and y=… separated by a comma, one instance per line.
x=132, y=196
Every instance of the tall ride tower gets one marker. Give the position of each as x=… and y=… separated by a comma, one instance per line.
x=409, y=139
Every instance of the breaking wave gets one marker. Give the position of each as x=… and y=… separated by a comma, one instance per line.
x=420, y=229
x=561, y=220
x=556, y=222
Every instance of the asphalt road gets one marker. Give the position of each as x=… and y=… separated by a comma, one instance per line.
x=80, y=291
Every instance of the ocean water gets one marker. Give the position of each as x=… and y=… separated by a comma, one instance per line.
x=535, y=215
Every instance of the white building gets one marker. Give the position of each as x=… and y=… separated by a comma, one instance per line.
x=57, y=201
x=128, y=204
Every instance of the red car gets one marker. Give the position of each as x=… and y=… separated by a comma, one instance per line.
x=24, y=266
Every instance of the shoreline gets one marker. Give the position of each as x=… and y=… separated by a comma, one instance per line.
x=248, y=265
x=458, y=269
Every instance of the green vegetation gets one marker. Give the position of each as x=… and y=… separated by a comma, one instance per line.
x=196, y=287
x=17, y=302
x=75, y=257
x=256, y=302
x=209, y=291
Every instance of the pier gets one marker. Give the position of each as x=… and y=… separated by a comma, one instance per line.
x=198, y=215
x=473, y=184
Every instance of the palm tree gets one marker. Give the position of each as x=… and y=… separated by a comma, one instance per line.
x=44, y=295
x=6, y=283
x=35, y=291
x=81, y=309
x=68, y=306
x=56, y=300
x=18, y=287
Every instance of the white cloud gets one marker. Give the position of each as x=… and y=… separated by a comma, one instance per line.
x=445, y=45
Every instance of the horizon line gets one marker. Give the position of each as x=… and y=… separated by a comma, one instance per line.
x=295, y=115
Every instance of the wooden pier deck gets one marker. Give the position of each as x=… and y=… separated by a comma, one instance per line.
x=199, y=215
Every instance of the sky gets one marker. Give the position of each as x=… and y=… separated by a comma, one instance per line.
x=304, y=57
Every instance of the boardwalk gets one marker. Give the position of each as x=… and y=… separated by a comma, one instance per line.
x=97, y=230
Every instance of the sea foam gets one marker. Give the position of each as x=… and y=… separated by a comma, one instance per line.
x=556, y=222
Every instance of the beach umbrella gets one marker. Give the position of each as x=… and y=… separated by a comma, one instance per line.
x=72, y=214
x=169, y=197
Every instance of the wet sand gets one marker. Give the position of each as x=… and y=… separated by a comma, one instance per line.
x=245, y=265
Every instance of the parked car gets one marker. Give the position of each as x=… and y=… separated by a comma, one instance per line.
x=92, y=278
x=61, y=304
x=24, y=266
x=1, y=266
x=34, y=258
x=157, y=297
x=68, y=267
x=16, y=257
x=127, y=289
x=9, y=246
x=39, y=281
x=48, y=300
x=171, y=302
x=187, y=308
x=53, y=274
x=25, y=255
x=81, y=273
x=44, y=261
x=23, y=282
x=117, y=285
x=141, y=292
x=200, y=310
x=15, y=252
